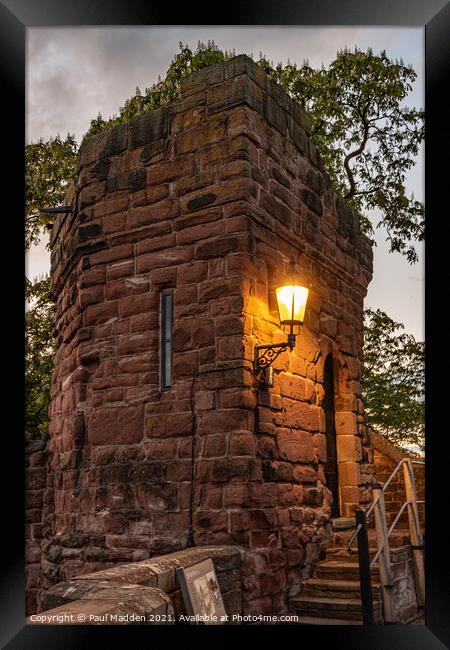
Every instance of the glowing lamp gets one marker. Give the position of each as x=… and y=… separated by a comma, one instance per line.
x=291, y=301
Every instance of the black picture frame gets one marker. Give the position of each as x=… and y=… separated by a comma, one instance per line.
x=434, y=15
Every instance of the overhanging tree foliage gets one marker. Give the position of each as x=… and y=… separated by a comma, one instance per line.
x=393, y=380
x=39, y=353
x=367, y=137
x=49, y=167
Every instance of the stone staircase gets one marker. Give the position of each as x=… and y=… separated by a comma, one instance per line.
x=332, y=596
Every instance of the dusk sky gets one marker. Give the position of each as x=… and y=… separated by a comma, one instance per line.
x=75, y=73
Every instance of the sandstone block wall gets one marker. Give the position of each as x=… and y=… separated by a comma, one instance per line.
x=36, y=458
x=218, y=198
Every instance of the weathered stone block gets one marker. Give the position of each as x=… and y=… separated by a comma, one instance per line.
x=179, y=424
x=346, y=423
x=301, y=415
x=152, y=214
x=328, y=325
x=118, y=425
x=149, y=128
x=297, y=388
x=295, y=445
x=215, y=445
x=276, y=209
x=242, y=444
x=158, y=260
x=348, y=448
x=350, y=473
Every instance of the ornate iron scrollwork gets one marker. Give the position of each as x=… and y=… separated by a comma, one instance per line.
x=265, y=355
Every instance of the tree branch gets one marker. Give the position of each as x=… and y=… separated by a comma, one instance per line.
x=356, y=152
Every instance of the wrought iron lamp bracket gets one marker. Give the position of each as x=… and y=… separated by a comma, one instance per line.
x=265, y=355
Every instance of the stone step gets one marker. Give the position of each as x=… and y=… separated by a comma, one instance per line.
x=342, y=570
x=396, y=539
x=338, y=552
x=336, y=588
x=341, y=538
x=342, y=608
x=343, y=523
x=398, y=554
x=333, y=552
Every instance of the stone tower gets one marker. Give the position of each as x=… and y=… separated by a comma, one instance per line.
x=184, y=221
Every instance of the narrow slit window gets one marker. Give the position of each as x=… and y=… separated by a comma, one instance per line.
x=166, y=339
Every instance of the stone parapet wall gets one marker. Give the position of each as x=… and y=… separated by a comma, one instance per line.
x=404, y=594
x=386, y=458
x=147, y=592
x=144, y=592
x=218, y=197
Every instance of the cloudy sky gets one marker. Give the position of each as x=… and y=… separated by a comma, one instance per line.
x=75, y=73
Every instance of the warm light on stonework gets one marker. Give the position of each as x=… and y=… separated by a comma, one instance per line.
x=291, y=299
x=291, y=304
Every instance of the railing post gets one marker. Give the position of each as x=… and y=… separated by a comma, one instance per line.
x=384, y=560
x=365, y=581
x=414, y=531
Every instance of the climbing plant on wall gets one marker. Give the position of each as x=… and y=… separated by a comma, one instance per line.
x=166, y=90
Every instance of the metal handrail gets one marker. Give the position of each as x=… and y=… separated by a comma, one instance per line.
x=355, y=532
x=378, y=553
x=374, y=503
x=385, y=486
x=382, y=554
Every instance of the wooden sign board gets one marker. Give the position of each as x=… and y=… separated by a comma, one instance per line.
x=201, y=594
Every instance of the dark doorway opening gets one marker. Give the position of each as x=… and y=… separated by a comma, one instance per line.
x=331, y=465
